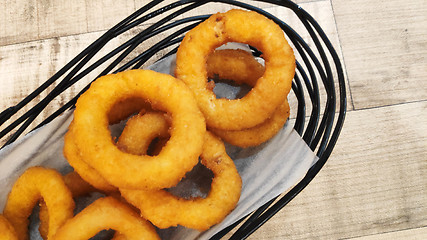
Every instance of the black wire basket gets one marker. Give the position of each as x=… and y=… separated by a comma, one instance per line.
x=319, y=90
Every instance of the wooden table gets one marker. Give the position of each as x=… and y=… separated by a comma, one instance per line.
x=374, y=185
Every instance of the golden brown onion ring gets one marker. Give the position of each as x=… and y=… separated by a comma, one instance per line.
x=7, y=232
x=237, y=65
x=87, y=172
x=165, y=93
x=165, y=210
x=35, y=184
x=240, y=66
x=270, y=90
x=140, y=130
x=106, y=213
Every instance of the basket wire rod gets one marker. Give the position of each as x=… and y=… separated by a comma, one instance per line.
x=253, y=216
x=71, y=103
x=35, y=111
x=145, y=31
x=226, y=230
x=141, y=56
x=342, y=90
x=154, y=14
x=7, y=113
x=315, y=111
x=60, y=88
x=134, y=40
x=329, y=112
x=295, y=38
x=300, y=118
x=316, y=168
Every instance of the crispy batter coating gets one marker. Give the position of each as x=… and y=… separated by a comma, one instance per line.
x=165, y=93
x=241, y=67
x=261, y=133
x=87, y=172
x=165, y=210
x=140, y=130
x=7, y=232
x=271, y=88
x=234, y=64
x=35, y=184
x=106, y=213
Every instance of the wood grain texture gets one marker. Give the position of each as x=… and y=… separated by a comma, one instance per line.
x=373, y=183
x=13, y=15
x=385, y=49
x=374, y=186
x=412, y=234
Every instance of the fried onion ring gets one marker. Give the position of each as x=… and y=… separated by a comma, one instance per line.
x=259, y=134
x=270, y=90
x=106, y=213
x=163, y=92
x=165, y=210
x=35, y=184
x=87, y=172
x=240, y=66
x=237, y=65
x=140, y=130
x=7, y=232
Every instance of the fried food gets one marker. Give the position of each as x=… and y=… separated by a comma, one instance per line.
x=35, y=184
x=241, y=67
x=7, y=232
x=165, y=93
x=165, y=210
x=141, y=130
x=106, y=213
x=237, y=65
x=259, y=134
x=77, y=186
x=271, y=88
x=85, y=171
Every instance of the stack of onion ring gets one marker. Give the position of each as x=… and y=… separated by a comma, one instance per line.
x=176, y=112
x=199, y=213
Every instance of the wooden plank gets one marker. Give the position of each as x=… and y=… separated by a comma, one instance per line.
x=18, y=21
x=61, y=18
x=102, y=15
x=374, y=182
x=412, y=234
x=384, y=46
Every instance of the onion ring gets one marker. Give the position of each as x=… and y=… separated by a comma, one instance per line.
x=87, y=172
x=7, y=232
x=237, y=65
x=124, y=108
x=165, y=93
x=240, y=66
x=136, y=136
x=106, y=213
x=259, y=134
x=165, y=210
x=270, y=90
x=34, y=184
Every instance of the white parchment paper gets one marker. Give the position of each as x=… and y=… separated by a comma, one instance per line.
x=267, y=170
